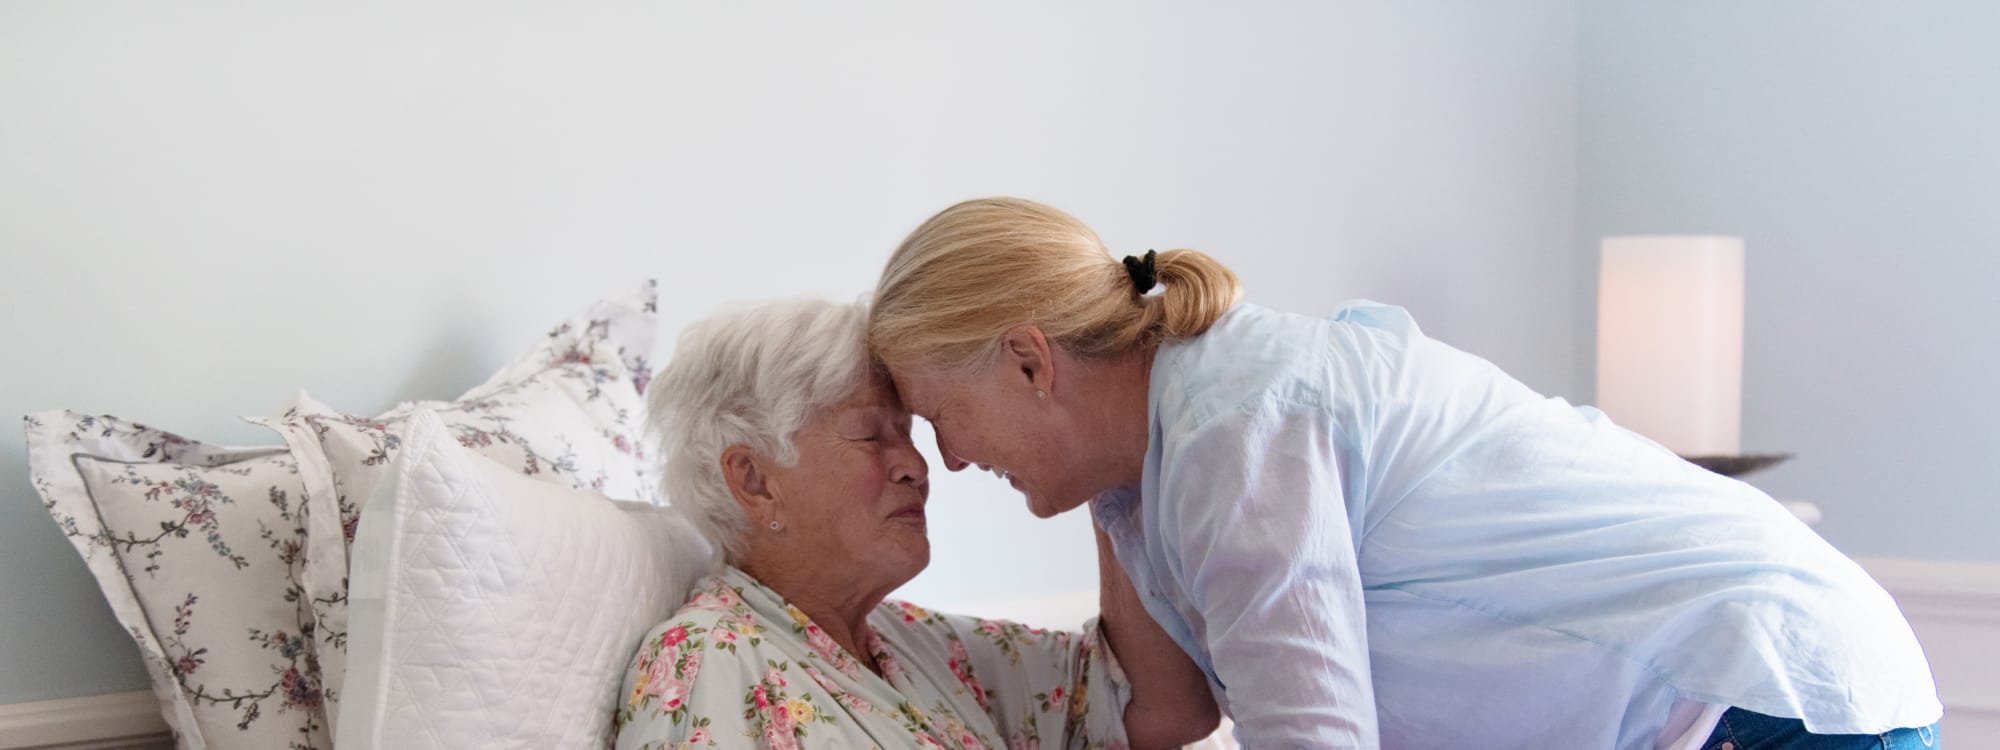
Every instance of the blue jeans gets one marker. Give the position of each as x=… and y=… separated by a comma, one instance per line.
x=1749, y=730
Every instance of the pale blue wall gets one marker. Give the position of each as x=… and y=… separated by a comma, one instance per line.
x=1856, y=147
x=205, y=205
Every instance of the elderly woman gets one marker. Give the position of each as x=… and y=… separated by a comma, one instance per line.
x=793, y=453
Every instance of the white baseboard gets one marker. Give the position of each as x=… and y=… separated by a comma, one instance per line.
x=1955, y=609
x=92, y=722
x=1953, y=606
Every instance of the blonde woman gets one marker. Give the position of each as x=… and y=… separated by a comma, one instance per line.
x=1366, y=537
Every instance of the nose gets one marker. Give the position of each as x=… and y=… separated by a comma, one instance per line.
x=951, y=462
x=911, y=468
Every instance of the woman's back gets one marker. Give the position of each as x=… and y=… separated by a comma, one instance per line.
x=1529, y=570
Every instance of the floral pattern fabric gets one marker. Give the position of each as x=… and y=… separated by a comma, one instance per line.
x=739, y=667
x=198, y=549
x=570, y=411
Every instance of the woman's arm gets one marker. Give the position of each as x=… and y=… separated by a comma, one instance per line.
x=1267, y=558
x=1171, y=704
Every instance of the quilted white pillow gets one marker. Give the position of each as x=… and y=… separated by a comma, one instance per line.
x=492, y=610
x=569, y=411
x=197, y=548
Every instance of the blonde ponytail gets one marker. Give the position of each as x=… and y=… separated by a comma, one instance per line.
x=981, y=267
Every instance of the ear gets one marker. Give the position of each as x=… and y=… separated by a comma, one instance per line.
x=748, y=483
x=1028, y=359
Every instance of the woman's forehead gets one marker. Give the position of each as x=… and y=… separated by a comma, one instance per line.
x=875, y=393
x=923, y=393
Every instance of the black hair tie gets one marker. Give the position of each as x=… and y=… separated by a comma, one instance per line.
x=1144, y=276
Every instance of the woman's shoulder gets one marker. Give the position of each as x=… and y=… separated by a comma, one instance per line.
x=1253, y=359
x=715, y=615
x=938, y=630
x=704, y=653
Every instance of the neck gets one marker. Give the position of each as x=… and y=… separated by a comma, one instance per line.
x=1117, y=424
x=834, y=606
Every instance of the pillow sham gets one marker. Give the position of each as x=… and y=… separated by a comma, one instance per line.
x=490, y=609
x=198, y=550
x=568, y=412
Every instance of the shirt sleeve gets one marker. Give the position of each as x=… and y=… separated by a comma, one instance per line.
x=1252, y=503
x=1046, y=688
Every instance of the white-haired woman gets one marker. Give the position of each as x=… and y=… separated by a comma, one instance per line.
x=793, y=454
x=1367, y=537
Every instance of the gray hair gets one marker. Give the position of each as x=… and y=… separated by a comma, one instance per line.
x=749, y=376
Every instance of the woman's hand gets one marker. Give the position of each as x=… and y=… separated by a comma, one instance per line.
x=1171, y=705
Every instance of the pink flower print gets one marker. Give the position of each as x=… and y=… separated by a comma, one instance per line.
x=1024, y=742
x=185, y=666
x=779, y=727
x=824, y=645
x=674, y=636
x=700, y=737
x=690, y=666
x=299, y=691
x=662, y=668
x=958, y=652
x=716, y=596
x=673, y=695
x=725, y=635
x=707, y=600
x=968, y=742
x=891, y=669
x=757, y=697
x=774, y=677
x=924, y=741
x=779, y=738
x=819, y=678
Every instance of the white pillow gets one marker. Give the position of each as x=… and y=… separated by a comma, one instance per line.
x=492, y=610
x=568, y=411
x=197, y=549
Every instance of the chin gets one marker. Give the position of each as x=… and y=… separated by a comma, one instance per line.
x=1044, y=509
x=915, y=558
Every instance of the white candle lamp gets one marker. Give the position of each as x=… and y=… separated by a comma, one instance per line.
x=1670, y=345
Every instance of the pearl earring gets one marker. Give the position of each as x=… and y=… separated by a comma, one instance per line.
x=775, y=525
x=1041, y=394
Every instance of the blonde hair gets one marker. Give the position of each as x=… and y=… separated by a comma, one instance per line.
x=978, y=268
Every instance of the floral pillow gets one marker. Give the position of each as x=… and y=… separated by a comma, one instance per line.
x=198, y=550
x=568, y=412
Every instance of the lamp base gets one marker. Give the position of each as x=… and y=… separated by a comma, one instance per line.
x=1736, y=466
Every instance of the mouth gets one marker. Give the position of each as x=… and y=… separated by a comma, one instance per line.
x=998, y=472
x=909, y=513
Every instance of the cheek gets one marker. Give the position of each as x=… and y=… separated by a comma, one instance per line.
x=864, y=482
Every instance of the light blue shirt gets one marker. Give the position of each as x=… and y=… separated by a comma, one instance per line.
x=1366, y=537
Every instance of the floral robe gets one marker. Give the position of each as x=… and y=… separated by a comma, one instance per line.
x=739, y=667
